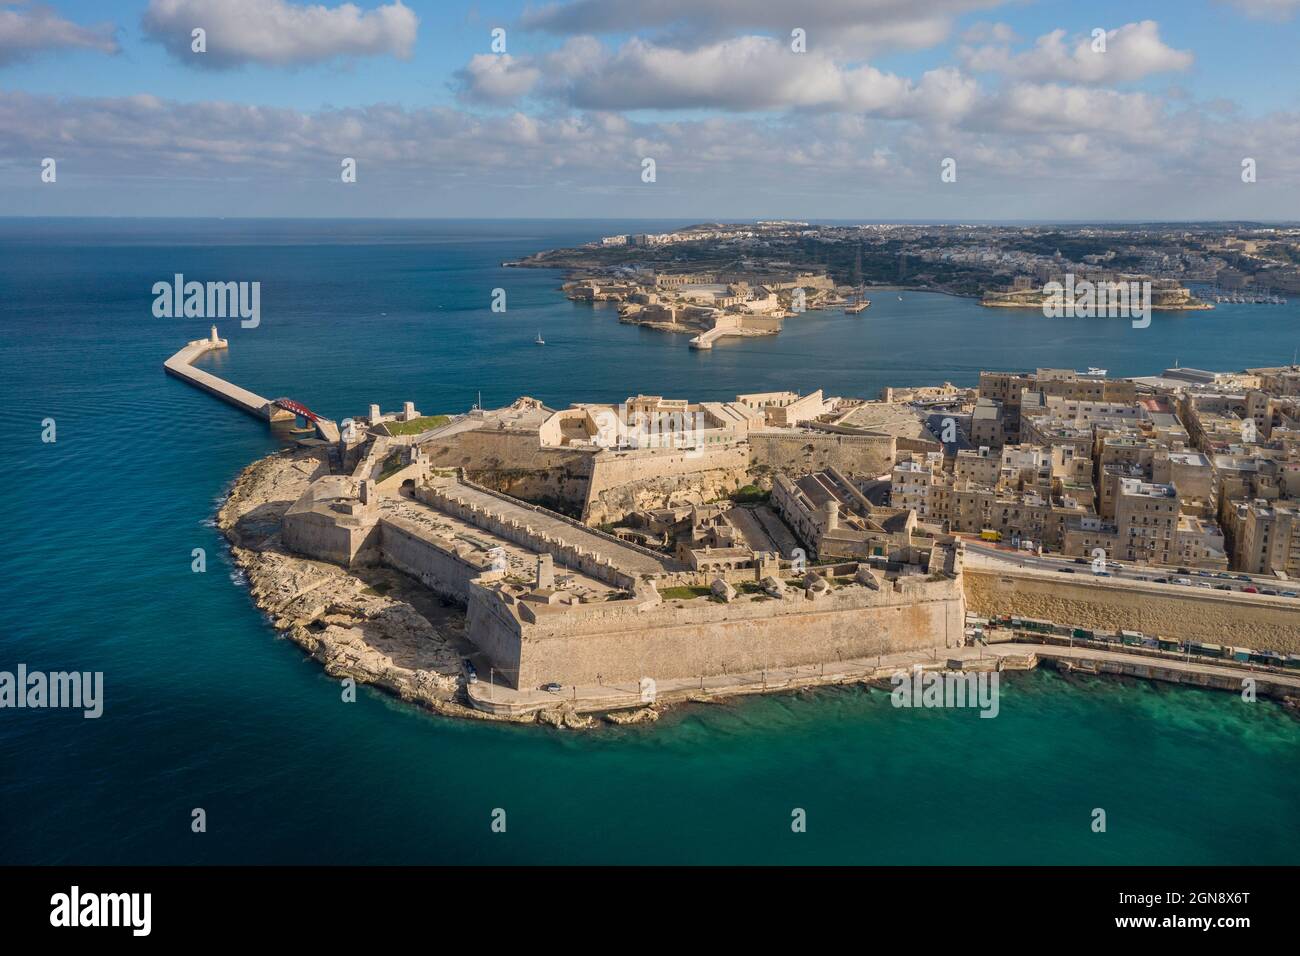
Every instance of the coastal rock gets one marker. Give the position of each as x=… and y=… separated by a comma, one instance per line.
x=367, y=630
x=642, y=715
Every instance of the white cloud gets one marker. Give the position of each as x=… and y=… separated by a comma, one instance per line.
x=28, y=30
x=1042, y=136
x=1267, y=9
x=496, y=78
x=749, y=73
x=1132, y=52
x=279, y=33
x=860, y=26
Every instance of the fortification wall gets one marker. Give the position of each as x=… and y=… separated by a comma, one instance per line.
x=623, y=482
x=802, y=453
x=624, y=642
x=323, y=538
x=1219, y=617
x=513, y=462
x=520, y=533
x=436, y=565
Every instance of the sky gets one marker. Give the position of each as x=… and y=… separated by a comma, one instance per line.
x=951, y=110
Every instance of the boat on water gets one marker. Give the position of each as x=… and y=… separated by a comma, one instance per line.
x=857, y=303
x=1099, y=372
x=539, y=340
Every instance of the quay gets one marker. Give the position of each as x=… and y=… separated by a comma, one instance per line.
x=498, y=699
x=181, y=365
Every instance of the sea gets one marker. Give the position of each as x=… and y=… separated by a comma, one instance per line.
x=209, y=714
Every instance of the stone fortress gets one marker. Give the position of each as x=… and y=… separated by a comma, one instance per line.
x=670, y=539
x=605, y=542
x=700, y=543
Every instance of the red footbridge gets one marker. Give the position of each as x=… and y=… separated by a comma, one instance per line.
x=289, y=405
x=327, y=429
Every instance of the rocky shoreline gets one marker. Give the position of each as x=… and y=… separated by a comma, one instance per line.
x=371, y=625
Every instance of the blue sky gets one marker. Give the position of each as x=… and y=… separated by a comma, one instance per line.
x=739, y=125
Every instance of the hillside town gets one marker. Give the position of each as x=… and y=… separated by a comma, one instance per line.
x=1236, y=262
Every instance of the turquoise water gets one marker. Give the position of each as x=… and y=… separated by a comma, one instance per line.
x=207, y=707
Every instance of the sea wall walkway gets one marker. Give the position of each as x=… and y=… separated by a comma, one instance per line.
x=181, y=366
x=498, y=699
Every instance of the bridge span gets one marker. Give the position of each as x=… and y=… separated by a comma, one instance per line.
x=181, y=365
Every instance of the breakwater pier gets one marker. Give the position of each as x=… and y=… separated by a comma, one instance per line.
x=181, y=365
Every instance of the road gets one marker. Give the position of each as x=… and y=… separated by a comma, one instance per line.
x=1223, y=581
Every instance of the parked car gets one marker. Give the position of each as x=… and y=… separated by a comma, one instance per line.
x=471, y=675
x=1269, y=591
x=1204, y=574
x=1223, y=574
x=1290, y=594
x=1244, y=577
x=1184, y=581
x=553, y=687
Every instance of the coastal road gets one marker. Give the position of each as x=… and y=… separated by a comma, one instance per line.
x=1153, y=574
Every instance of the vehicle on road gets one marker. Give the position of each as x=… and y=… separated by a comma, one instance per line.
x=553, y=687
x=1065, y=570
x=1250, y=589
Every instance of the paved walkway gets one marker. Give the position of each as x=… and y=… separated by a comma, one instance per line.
x=622, y=695
x=626, y=559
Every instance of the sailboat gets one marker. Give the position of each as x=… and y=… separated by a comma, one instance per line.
x=540, y=340
x=858, y=303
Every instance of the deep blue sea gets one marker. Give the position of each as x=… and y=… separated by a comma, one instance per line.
x=206, y=707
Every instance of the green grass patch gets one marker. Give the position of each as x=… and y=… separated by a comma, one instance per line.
x=392, y=464
x=416, y=425
x=750, y=494
x=684, y=593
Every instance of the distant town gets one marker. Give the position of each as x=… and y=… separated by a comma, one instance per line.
x=719, y=280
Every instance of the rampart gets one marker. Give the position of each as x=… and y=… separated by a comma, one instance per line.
x=804, y=452
x=630, y=639
x=626, y=481
x=1199, y=614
